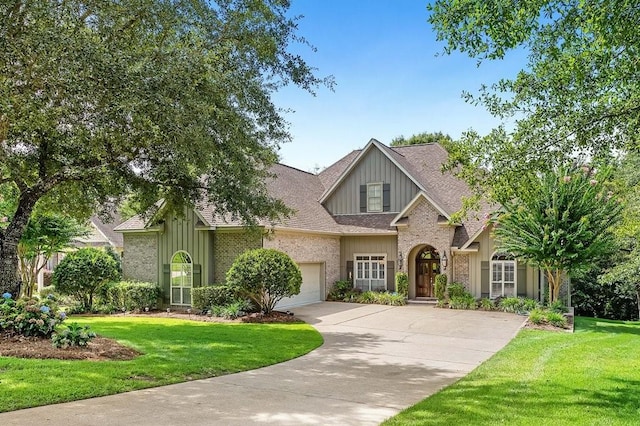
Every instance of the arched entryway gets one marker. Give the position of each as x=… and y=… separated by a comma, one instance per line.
x=427, y=267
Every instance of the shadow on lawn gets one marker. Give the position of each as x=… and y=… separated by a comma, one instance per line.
x=606, y=326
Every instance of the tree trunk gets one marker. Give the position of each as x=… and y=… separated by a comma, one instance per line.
x=9, y=239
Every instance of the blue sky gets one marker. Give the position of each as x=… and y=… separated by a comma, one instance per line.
x=389, y=81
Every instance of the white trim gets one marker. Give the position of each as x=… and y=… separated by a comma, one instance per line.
x=381, y=185
x=181, y=287
x=347, y=171
x=492, y=263
x=412, y=205
x=385, y=258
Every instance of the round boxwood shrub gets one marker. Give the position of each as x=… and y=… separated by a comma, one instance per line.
x=82, y=272
x=265, y=276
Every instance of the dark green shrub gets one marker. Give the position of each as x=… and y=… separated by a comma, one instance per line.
x=72, y=335
x=440, y=287
x=133, y=295
x=466, y=301
x=456, y=290
x=265, y=276
x=402, y=284
x=529, y=305
x=203, y=298
x=558, y=307
x=340, y=290
x=83, y=272
x=116, y=257
x=486, y=304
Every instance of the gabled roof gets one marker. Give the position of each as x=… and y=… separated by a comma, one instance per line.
x=103, y=231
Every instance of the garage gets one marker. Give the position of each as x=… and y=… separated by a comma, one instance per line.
x=310, y=290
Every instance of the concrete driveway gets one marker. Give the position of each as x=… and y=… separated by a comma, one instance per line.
x=375, y=361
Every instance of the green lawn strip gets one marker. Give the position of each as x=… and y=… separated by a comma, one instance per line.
x=591, y=377
x=173, y=351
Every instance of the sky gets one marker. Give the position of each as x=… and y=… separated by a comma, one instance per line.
x=389, y=80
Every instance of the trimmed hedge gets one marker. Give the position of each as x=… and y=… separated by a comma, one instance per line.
x=204, y=298
x=132, y=295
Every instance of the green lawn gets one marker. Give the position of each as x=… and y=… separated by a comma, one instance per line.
x=591, y=377
x=174, y=351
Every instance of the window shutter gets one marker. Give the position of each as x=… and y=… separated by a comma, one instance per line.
x=349, y=275
x=197, y=275
x=521, y=277
x=391, y=276
x=363, y=198
x=484, y=278
x=386, y=197
x=166, y=283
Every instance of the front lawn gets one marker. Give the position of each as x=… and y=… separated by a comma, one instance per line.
x=173, y=351
x=591, y=377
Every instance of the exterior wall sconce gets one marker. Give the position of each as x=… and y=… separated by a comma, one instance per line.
x=400, y=260
x=444, y=261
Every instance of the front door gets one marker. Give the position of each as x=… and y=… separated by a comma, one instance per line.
x=427, y=267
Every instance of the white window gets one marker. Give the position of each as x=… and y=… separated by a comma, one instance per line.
x=370, y=272
x=503, y=276
x=374, y=197
x=181, y=278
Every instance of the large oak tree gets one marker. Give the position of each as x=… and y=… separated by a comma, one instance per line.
x=155, y=98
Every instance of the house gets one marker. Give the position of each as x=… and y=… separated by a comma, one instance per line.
x=376, y=211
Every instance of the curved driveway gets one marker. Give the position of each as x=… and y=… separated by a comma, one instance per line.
x=375, y=361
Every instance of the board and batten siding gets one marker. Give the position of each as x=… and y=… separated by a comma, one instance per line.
x=527, y=284
x=388, y=245
x=180, y=234
x=375, y=167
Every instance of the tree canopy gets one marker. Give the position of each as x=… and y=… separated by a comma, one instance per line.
x=152, y=98
x=424, y=137
x=578, y=94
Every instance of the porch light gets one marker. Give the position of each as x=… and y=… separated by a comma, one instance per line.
x=444, y=261
x=400, y=259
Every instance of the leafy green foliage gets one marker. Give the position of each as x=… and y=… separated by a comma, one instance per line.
x=456, y=290
x=486, y=304
x=518, y=304
x=423, y=138
x=205, y=297
x=578, y=93
x=340, y=290
x=380, y=298
x=29, y=316
x=72, y=335
x=45, y=234
x=155, y=100
x=464, y=301
x=562, y=224
x=440, y=287
x=265, y=276
x=133, y=295
x=402, y=284
x=83, y=272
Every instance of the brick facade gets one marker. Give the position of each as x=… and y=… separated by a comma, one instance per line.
x=423, y=229
x=227, y=246
x=140, y=260
x=461, y=269
x=306, y=248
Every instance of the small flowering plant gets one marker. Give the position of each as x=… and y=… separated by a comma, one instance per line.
x=29, y=316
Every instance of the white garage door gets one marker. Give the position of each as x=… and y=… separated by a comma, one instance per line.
x=310, y=290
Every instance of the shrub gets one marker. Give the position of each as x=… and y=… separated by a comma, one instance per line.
x=440, y=287
x=456, y=290
x=339, y=290
x=441, y=304
x=486, y=304
x=72, y=335
x=133, y=295
x=511, y=304
x=556, y=319
x=204, y=298
x=537, y=316
x=529, y=305
x=265, y=276
x=558, y=307
x=466, y=301
x=49, y=291
x=402, y=284
x=82, y=272
x=381, y=298
x=29, y=316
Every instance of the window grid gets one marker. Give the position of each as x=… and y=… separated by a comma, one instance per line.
x=370, y=272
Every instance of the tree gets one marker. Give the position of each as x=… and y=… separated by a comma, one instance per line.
x=44, y=235
x=157, y=99
x=424, y=137
x=562, y=225
x=578, y=94
x=81, y=273
x=266, y=276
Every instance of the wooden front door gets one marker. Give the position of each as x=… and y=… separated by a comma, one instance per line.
x=427, y=267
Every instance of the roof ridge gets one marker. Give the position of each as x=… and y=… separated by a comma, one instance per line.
x=296, y=169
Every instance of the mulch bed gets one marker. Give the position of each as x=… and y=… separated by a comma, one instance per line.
x=103, y=349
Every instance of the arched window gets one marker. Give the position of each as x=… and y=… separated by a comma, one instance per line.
x=181, y=278
x=503, y=275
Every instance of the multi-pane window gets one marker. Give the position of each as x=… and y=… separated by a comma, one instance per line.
x=374, y=197
x=370, y=272
x=503, y=275
x=181, y=278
